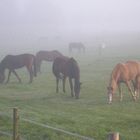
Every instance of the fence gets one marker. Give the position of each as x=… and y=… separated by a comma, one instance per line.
x=16, y=135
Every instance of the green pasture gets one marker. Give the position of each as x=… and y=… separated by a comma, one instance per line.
x=88, y=116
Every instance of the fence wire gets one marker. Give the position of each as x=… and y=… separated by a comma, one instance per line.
x=58, y=129
x=45, y=126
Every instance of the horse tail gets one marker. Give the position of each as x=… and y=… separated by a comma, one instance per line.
x=56, y=71
x=35, y=67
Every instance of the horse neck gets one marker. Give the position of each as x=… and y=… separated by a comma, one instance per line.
x=114, y=80
x=116, y=74
x=2, y=68
x=113, y=84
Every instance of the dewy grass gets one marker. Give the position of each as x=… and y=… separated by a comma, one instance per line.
x=89, y=116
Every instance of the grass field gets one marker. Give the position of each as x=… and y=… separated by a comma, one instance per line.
x=89, y=116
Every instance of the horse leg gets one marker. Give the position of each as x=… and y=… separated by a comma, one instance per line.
x=134, y=84
x=31, y=76
x=8, y=77
x=138, y=92
x=64, y=81
x=14, y=72
x=130, y=90
x=30, y=70
x=137, y=87
x=71, y=86
x=39, y=66
x=120, y=92
x=57, y=82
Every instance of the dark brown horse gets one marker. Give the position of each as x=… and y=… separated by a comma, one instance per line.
x=46, y=56
x=13, y=62
x=76, y=45
x=67, y=67
x=125, y=72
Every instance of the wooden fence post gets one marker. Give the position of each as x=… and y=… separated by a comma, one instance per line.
x=113, y=136
x=15, y=124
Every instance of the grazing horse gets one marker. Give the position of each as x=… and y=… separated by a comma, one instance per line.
x=67, y=67
x=46, y=56
x=76, y=45
x=13, y=62
x=125, y=72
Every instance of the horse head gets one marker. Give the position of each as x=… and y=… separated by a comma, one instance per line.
x=77, y=88
x=110, y=94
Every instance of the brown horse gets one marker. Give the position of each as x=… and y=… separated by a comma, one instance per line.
x=125, y=72
x=76, y=45
x=67, y=67
x=46, y=56
x=12, y=62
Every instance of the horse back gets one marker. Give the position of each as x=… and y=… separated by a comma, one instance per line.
x=67, y=66
x=126, y=71
x=48, y=55
x=17, y=61
x=134, y=68
x=59, y=66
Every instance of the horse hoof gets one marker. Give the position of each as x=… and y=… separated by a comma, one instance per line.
x=135, y=98
x=72, y=96
x=109, y=103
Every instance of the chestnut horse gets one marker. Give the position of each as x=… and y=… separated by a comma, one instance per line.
x=67, y=67
x=13, y=62
x=46, y=56
x=125, y=72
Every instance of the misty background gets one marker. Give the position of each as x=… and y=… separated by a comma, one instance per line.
x=32, y=25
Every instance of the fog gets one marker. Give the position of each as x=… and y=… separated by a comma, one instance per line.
x=44, y=24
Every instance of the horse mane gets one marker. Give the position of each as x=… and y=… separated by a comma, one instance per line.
x=4, y=59
x=117, y=68
x=115, y=75
x=2, y=63
x=74, y=68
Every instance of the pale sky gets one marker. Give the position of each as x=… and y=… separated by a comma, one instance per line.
x=59, y=17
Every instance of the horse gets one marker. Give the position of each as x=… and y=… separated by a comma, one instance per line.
x=67, y=67
x=76, y=45
x=13, y=62
x=46, y=56
x=125, y=72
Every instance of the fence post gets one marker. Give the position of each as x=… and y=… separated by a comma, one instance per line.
x=15, y=124
x=113, y=136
